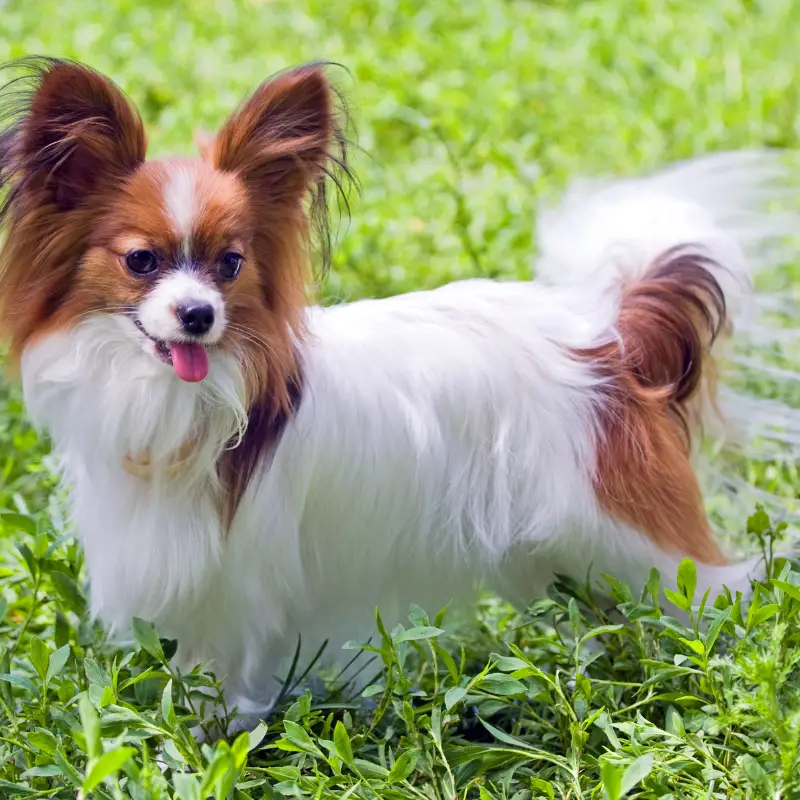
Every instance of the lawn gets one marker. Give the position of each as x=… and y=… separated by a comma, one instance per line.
x=467, y=116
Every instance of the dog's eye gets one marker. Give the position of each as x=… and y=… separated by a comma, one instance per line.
x=141, y=262
x=229, y=266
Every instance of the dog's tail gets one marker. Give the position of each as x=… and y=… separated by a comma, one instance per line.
x=694, y=347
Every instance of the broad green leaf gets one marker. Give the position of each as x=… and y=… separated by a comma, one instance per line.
x=95, y=673
x=637, y=772
x=42, y=740
x=30, y=559
x=69, y=592
x=498, y=683
x=75, y=778
x=11, y=789
x=358, y=644
x=187, y=786
x=171, y=749
x=256, y=736
x=762, y=614
x=219, y=773
x=509, y=663
x=146, y=675
x=687, y=579
x=440, y=615
x=758, y=523
x=22, y=682
x=403, y=766
x=341, y=740
x=447, y=660
x=715, y=627
x=678, y=600
x=167, y=708
x=91, y=726
x=107, y=765
x=57, y=662
x=15, y=521
x=240, y=749
x=757, y=775
x=417, y=616
x=420, y=632
x=40, y=656
x=387, y=640
x=543, y=787
x=603, y=629
x=653, y=586
x=504, y=737
x=436, y=724
x=674, y=723
x=351, y=791
x=454, y=695
x=606, y=725
x=694, y=644
x=788, y=588
x=371, y=770
x=146, y=636
x=44, y=771
x=611, y=778
x=574, y=613
x=298, y=736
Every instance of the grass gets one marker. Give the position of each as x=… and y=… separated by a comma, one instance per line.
x=468, y=113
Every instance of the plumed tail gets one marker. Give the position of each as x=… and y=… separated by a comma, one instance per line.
x=697, y=250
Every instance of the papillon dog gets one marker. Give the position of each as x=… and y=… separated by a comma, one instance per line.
x=244, y=467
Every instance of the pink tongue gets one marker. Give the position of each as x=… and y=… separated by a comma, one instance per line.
x=190, y=361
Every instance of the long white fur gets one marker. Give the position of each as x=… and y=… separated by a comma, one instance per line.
x=445, y=438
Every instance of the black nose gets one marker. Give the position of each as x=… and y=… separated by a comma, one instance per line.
x=196, y=318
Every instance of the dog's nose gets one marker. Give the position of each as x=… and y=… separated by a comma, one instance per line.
x=196, y=318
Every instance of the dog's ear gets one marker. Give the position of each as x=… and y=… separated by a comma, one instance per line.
x=80, y=132
x=279, y=141
x=204, y=143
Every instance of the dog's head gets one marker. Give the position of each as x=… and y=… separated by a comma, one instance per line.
x=192, y=259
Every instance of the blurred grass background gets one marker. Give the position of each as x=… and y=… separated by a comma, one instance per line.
x=468, y=113
x=467, y=116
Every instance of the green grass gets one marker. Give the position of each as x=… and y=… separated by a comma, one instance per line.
x=468, y=114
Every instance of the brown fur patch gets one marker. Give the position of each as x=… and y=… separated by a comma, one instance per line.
x=653, y=375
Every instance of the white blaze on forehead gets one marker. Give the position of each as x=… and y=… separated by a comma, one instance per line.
x=180, y=197
x=158, y=312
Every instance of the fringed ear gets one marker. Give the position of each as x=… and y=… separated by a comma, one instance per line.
x=76, y=132
x=281, y=139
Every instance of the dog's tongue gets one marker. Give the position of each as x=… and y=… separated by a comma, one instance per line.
x=190, y=361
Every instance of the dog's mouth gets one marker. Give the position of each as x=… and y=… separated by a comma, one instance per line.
x=188, y=359
x=161, y=347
